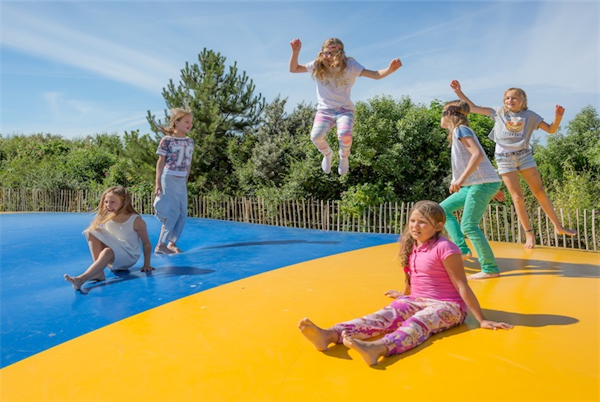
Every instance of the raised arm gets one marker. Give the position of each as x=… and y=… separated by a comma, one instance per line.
x=558, y=115
x=379, y=74
x=486, y=111
x=456, y=271
x=294, y=66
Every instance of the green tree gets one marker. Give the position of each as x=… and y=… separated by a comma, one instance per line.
x=570, y=163
x=224, y=105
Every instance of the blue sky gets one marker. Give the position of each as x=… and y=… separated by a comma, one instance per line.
x=78, y=68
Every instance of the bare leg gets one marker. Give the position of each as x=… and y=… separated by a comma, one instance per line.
x=369, y=351
x=319, y=337
x=534, y=180
x=511, y=180
x=95, y=245
x=95, y=271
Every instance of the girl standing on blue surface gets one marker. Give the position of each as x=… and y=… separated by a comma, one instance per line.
x=114, y=238
x=474, y=184
x=172, y=171
x=436, y=295
x=513, y=129
x=335, y=74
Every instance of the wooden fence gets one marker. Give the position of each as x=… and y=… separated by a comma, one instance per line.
x=499, y=223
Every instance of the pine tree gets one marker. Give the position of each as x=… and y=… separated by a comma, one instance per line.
x=224, y=107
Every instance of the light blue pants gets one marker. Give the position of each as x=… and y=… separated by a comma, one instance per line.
x=473, y=200
x=172, y=207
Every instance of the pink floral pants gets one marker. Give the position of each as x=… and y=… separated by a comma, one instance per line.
x=406, y=322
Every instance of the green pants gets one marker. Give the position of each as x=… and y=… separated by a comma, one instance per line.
x=473, y=200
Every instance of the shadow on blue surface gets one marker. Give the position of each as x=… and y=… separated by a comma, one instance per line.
x=127, y=275
x=39, y=309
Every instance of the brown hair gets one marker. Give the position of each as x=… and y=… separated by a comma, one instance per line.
x=435, y=214
x=322, y=69
x=103, y=215
x=455, y=115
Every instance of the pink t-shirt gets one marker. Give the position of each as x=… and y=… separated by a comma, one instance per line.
x=428, y=276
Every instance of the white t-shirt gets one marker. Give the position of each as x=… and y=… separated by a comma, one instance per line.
x=335, y=94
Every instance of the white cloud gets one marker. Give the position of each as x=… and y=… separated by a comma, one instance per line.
x=53, y=40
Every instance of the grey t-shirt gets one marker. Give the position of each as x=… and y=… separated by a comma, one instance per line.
x=514, y=130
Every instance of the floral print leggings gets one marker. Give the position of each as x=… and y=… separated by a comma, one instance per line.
x=406, y=322
x=343, y=119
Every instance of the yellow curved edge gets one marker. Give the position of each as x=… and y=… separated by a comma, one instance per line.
x=239, y=342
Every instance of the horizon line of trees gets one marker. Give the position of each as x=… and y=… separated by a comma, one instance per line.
x=247, y=147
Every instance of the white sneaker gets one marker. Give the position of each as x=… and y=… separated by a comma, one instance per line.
x=344, y=165
x=326, y=163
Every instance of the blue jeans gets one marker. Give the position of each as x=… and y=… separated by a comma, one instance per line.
x=474, y=201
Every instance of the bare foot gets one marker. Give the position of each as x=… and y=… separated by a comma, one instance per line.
x=568, y=232
x=529, y=240
x=483, y=275
x=467, y=256
x=173, y=247
x=319, y=337
x=163, y=249
x=369, y=351
x=75, y=281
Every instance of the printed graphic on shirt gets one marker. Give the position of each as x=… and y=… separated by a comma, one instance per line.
x=178, y=153
x=514, y=126
x=338, y=82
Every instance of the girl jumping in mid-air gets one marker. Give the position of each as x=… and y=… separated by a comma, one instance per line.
x=172, y=171
x=114, y=238
x=474, y=184
x=435, y=298
x=335, y=74
x=514, y=126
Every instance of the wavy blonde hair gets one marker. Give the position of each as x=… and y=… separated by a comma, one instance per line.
x=176, y=115
x=434, y=213
x=323, y=70
x=455, y=115
x=103, y=215
x=523, y=96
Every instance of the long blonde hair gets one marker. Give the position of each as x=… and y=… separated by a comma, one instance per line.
x=523, y=96
x=434, y=213
x=176, y=115
x=103, y=215
x=455, y=115
x=323, y=70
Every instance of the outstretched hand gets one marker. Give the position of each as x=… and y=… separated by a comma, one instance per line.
x=560, y=111
x=296, y=45
x=455, y=85
x=495, y=325
x=394, y=65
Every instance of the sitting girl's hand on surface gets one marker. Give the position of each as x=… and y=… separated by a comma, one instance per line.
x=495, y=325
x=394, y=293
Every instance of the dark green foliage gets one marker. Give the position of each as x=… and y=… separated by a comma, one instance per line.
x=245, y=147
